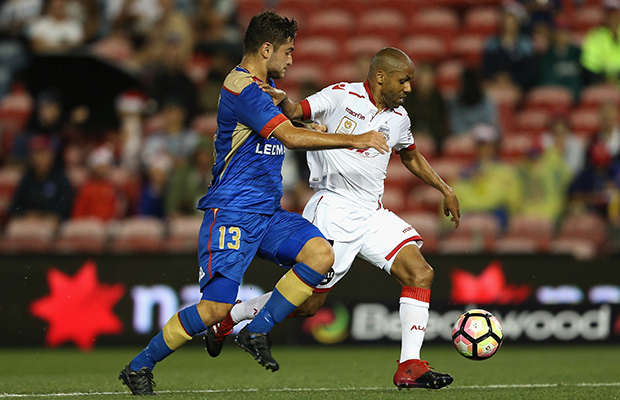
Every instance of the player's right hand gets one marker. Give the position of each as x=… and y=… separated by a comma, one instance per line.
x=372, y=139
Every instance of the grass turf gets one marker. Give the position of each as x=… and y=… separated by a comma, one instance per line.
x=516, y=372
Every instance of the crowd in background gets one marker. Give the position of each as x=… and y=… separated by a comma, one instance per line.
x=57, y=162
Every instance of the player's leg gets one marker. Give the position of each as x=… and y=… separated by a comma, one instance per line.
x=219, y=292
x=395, y=248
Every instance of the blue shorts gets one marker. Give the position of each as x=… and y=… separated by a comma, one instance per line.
x=229, y=240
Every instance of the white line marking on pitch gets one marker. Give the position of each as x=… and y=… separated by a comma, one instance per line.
x=534, y=385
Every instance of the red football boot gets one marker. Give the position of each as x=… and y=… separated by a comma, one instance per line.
x=417, y=374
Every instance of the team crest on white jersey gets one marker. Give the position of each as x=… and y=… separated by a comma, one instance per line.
x=385, y=131
x=346, y=126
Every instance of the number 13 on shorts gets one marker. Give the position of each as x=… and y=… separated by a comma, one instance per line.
x=230, y=241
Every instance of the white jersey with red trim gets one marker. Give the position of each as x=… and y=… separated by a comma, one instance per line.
x=358, y=175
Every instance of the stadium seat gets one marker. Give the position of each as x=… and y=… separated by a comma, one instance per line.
x=594, y=96
x=481, y=21
x=448, y=168
x=435, y=21
x=587, y=227
x=365, y=45
x=460, y=245
x=480, y=229
x=506, y=100
x=550, y=98
x=580, y=248
x=516, y=245
x=449, y=76
x=529, y=227
x=138, y=234
x=427, y=225
x=532, y=121
x=320, y=49
x=514, y=147
x=28, y=235
x=305, y=72
x=385, y=22
x=469, y=49
x=82, y=236
x=333, y=22
x=398, y=176
x=459, y=147
x=183, y=234
x=424, y=198
x=585, y=122
x=344, y=72
x=425, y=145
x=425, y=48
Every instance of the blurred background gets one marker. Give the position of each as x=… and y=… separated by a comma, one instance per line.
x=108, y=111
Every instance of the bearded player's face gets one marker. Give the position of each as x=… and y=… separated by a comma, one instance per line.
x=280, y=59
x=397, y=85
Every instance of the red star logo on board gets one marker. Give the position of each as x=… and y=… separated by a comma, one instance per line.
x=78, y=308
x=489, y=287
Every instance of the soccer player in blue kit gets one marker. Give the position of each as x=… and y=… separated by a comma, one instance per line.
x=243, y=216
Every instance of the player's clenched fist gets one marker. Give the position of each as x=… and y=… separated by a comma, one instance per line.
x=371, y=139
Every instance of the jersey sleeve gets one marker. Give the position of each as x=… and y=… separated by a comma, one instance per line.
x=255, y=109
x=405, y=137
x=324, y=102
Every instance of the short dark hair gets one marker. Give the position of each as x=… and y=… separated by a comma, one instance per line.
x=267, y=26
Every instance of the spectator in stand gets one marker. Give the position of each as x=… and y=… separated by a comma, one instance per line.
x=596, y=185
x=217, y=29
x=488, y=185
x=560, y=137
x=601, y=47
x=426, y=107
x=545, y=178
x=190, y=182
x=153, y=192
x=221, y=63
x=609, y=134
x=508, y=58
x=97, y=198
x=44, y=191
x=561, y=64
x=55, y=31
x=175, y=140
x=48, y=120
x=471, y=106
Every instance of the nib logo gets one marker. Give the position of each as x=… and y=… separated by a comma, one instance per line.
x=488, y=288
x=78, y=308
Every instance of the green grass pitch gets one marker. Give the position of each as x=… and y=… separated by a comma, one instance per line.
x=322, y=372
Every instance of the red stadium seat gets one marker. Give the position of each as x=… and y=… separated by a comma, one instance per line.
x=398, y=176
x=532, y=121
x=435, y=21
x=514, y=147
x=585, y=122
x=138, y=234
x=31, y=235
x=506, y=100
x=580, y=248
x=551, y=98
x=448, y=168
x=459, y=147
x=424, y=198
x=321, y=49
x=393, y=199
x=449, y=76
x=386, y=22
x=427, y=225
x=305, y=72
x=82, y=236
x=594, y=96
x=333, y=22
x=344, y=72
x=183, y=234
x=365, y=45
x=516, y=245
x=460, y=245
x=481, y=228
x=532, y=228
x=205, y=124
x=425, y=145
x=587, y=226
x=481, y=21
x=469, y=48
x=425, y=48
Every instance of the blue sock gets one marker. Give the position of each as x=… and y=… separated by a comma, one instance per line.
x=290, y=292
x=158, y=349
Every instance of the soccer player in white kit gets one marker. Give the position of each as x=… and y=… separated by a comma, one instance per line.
x=347, y=204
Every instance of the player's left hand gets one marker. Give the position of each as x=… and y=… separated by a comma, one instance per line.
x=278, y=95
x=318, y=127
x=451, y=207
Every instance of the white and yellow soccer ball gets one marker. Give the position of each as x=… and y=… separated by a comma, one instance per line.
x=477, y=335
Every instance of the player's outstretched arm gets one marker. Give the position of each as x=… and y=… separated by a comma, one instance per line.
x=304, y=139
x=419, y=166
x=292, y=109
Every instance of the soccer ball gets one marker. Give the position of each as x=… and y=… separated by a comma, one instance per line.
x=477, y=335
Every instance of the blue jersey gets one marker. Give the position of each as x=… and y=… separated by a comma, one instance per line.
x=247, y=175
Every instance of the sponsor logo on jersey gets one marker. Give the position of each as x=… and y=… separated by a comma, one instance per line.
x=346, y=126
x=270, y=149
x=385, y=131
x=355, y=114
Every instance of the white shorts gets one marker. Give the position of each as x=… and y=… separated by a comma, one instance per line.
x=375, y=235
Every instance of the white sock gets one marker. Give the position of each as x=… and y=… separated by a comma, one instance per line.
x=248, y=309
x=413, y=319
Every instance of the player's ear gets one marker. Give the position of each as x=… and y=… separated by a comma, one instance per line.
x=266, y=49
x=380, y=77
